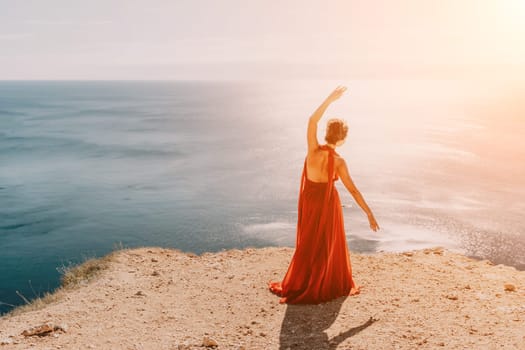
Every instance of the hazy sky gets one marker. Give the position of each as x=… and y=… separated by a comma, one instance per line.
x=243, y=39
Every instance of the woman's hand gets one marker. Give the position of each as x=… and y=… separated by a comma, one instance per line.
x=373, y=223
x=338, y=92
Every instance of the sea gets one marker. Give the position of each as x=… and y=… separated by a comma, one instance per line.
x=87, y=167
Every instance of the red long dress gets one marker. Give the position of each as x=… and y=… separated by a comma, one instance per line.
x=320, y=269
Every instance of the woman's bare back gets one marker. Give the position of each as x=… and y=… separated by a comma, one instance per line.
x=317, y=166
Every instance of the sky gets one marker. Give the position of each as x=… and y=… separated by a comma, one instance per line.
x=240, y=39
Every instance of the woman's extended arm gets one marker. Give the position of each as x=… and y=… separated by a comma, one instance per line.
x=311, y=134
x=343, y=173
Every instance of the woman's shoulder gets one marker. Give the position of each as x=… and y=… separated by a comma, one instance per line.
x=338, y=160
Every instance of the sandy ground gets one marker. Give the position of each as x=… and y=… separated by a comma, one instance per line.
x=156, y=298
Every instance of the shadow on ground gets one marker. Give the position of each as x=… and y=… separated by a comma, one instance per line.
x=304, y=326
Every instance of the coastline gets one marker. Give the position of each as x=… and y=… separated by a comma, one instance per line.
x=159, y=298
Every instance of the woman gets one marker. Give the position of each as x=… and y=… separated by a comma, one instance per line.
x=320, y=269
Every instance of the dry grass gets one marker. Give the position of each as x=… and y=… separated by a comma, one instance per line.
x=86, y=271
x=72, y=276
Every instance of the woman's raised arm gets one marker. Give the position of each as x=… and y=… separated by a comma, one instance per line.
x=311, y=134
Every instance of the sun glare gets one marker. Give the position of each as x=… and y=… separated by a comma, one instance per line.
x=514, y=11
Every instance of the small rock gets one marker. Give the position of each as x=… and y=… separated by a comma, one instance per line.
x=509, y=287
x=441, y=344
x=154, y=260
x=42, y=330
x=452, y=297
x=209, y=342
x=6, y=341
x=155, y=273
x=438, y=251
x=140, y=293
x=61, y=327
x=408, y=254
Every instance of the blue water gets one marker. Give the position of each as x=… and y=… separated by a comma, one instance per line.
x=205, y=166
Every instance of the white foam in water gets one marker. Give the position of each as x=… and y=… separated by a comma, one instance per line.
x=396, y=237
x=456, y=203
x=279, y=231
x=393, y=237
